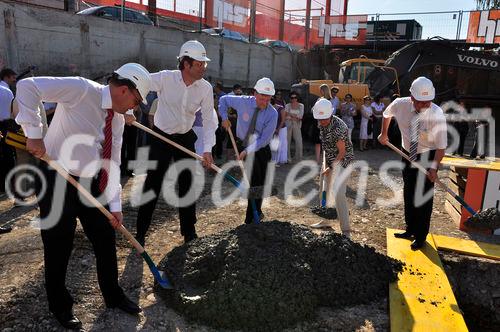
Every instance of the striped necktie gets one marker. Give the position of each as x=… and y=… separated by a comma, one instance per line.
x=106, y=150
x=414, y=133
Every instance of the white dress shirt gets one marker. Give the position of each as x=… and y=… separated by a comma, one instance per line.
x=76, y=134
x=178, y=104
x=4, y=84
x=6, y=97
x=432, y=124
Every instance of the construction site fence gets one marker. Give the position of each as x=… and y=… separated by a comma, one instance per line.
x=300, y=23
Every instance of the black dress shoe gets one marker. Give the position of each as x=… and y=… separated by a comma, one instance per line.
x=190, y=237
x=128, y=306
x=417, y=244
x=5, y=229
x=404, y=235
x=68, y=320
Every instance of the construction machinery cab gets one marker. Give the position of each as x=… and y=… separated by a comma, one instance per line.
x=355, y=71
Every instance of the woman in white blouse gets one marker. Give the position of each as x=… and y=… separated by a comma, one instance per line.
x=294, y=113
x=366, y=127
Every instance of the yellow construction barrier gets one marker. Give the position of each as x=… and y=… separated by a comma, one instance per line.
x=468, y=247
x=422, y=298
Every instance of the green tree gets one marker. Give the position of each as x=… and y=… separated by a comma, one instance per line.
x=488, y=4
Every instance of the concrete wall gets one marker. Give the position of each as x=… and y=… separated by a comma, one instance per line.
x=60, y=43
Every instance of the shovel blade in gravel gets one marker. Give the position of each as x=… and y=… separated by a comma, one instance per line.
x=325, y=212
x=487, y=220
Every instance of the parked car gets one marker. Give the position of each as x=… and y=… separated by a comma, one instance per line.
x=276, y=44
x=114, y=13
x=229, y=34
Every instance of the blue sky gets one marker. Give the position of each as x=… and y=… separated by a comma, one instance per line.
x=444, y=25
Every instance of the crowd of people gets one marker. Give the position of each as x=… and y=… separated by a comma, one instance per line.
x=185, y=108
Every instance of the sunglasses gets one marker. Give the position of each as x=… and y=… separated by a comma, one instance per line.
x=293, y=97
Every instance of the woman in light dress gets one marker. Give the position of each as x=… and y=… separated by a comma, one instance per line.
x=347, y=112
x=366, y=128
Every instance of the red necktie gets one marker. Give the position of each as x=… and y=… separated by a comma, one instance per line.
x=106, y=150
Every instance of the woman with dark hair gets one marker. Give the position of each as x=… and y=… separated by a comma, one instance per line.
x=294, y=113
x=347, y=112
x=378, y=108
x=279, y=143
x=366, y=128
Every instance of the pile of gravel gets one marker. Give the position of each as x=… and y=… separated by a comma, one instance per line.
x=488, y=220
x=271, y=276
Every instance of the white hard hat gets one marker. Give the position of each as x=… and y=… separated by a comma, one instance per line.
x=138, y=75
x=422, y=89
x=193, y=49
x=322, y=109
x=265, y=86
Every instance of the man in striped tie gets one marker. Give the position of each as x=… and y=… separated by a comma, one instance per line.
x=423, y=130
x=86, y=129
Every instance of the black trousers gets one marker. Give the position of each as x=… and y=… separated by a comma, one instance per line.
x=58, y=241
x=163, y=153
x=417, y=215
x=129, y=147
x=261, y=159
x=7, y=157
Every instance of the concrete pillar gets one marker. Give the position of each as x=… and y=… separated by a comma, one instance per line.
x=12, y=44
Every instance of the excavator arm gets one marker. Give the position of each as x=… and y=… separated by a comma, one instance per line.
x=429, y=52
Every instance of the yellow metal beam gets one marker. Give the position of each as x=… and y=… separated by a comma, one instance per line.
x=422, y=298
x=468, y=247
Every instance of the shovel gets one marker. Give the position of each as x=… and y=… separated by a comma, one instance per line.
x=439, y=182
x=158, y=275
x=321, y=210
x=253, y=192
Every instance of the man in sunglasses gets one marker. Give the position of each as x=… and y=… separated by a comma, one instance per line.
x=85, y=137
x=181, y=93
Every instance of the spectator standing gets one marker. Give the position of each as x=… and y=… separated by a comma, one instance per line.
x=377, y=108
x=7, y=153
x=335, y=100
x=294, y=114
x=366, y=127
x=347, y=113
x=280, y=151
x=278, y=99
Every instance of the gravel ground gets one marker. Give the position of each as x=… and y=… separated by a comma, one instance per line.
x=23, y=302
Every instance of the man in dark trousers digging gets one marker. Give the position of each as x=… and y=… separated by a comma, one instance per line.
x=256, y=124
x=423, y=130
x=181, y=93
x=94, y=113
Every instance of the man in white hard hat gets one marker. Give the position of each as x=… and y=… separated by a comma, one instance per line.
x=257, y=121
x=334, y=137
x=181, y=93
x=87, y=128
x=423, y=130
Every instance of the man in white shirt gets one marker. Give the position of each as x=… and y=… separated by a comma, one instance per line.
x=7, y=77
x=335, y=100
x=181, y=93
x=423, y=130
x=94, y=113
x=7, y=153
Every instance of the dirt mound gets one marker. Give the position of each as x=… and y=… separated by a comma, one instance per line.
x=271, y=276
